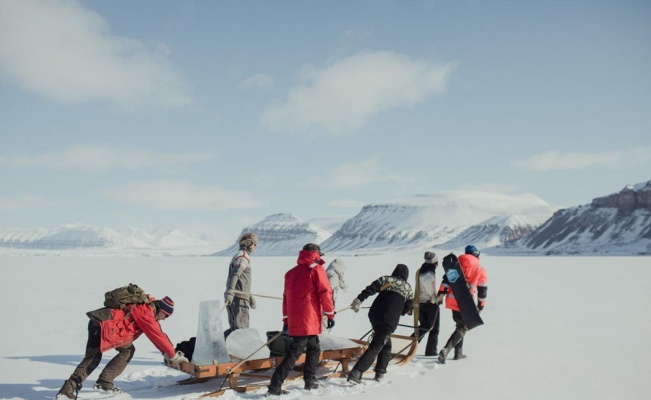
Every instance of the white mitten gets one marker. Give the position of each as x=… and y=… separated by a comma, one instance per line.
x=177, y=360
x=252, y=302
x=228, y=297
x=356, y=305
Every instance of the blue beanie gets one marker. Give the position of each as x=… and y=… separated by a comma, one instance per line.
x=471, y=249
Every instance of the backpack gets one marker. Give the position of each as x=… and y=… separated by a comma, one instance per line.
x=122, y=296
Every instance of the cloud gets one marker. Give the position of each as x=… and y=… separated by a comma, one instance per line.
x=175, y=195
x=22, y=202
x=347, y=203
x=556, y=161
x=258, y=81
x=91, y=158
x=343, y=96
x=355, y=175
x=65, y=52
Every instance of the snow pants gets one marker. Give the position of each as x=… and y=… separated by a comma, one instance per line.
x=238, y=315
x=380, y=348
x=428, y=319
x=93, y=357
x=456, y=339
x=300, y=344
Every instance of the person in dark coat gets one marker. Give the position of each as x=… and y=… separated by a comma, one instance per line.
x=394, y=299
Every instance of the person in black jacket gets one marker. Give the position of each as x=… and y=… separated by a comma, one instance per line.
x=395, y=299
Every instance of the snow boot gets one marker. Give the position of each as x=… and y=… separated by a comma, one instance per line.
x=355, y=376
x=458, y=354
x=379, y=376
x=107, y=387
x=69, y=390
x=443, y=355
x=276, y=391
x=313, y=384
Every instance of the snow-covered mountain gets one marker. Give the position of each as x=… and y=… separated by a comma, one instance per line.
x=444, y=219
x=280, y=235
x=90, y=238
x=619, y=223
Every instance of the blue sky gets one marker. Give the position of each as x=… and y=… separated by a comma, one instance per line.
x=209, y=116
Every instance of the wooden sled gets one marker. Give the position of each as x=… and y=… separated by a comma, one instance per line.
x=250, y=375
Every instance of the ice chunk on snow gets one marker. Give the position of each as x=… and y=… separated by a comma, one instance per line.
x=210, y=345
x=246, y=343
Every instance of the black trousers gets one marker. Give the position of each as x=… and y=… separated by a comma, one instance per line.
x=93, y=356
x=429, y=319
x=380, y=348
x=456, y=339
x=300, y=344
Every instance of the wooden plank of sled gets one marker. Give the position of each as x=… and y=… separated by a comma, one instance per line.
x=208, y=371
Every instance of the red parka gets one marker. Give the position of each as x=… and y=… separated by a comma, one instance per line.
x=471, y=269
x=307, y=295
x=125, y=327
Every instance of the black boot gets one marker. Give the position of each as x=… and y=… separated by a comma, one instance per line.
x=69, y=390
x=458, y=354
x=443, y=354
x=355, y=376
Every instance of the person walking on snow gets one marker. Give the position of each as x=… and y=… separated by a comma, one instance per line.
x=307, y=294
x=335, y=272
x=473, y=272
x=428, y=309
x=394, y=299
x=118, y=331
x=237, y=297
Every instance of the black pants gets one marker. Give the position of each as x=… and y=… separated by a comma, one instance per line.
x=380, y=348
x=300, y=344
x=93, y=357
x=456, y=339
x=428, y=319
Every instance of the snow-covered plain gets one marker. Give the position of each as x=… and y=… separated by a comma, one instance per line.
x=556, y=327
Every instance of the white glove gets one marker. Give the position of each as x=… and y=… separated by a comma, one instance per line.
x=252, y=302
x=176, y=361
x=356, y=305
x=228, y=297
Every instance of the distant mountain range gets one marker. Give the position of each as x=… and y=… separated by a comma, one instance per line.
x=616, y=224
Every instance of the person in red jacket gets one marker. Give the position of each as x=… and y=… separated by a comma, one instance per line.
x=306, y=297
x=472, y=271
x=111, y=328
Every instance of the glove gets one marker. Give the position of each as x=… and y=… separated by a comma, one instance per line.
x=252, y=302
x=480, y=306
x=228, y=297
x=285, y=328
x=176, y=361
x=439, y=298
x=331, y=323
x=356, y=305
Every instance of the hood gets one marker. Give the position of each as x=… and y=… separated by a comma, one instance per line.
x=338, y=265
x=309, y=257
x=401, y=271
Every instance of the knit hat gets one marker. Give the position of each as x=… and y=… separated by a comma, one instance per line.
x=313, y=247
x=431, y=258
x=166, y=305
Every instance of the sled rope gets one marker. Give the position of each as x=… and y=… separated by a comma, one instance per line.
x=257, y=295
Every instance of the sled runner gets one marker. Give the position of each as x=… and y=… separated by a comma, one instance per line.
x=250, y=373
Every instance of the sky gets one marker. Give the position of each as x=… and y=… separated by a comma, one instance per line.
x=210, y=116
x=554, y=342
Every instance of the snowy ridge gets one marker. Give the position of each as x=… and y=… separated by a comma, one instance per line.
x=280, y=235
x=617, y=224
x=438, y=219
x=85, y=238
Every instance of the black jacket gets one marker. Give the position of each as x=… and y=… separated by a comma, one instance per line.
x=394, y=299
